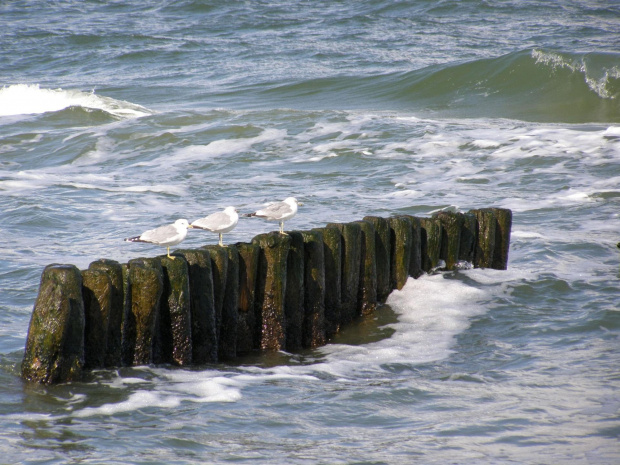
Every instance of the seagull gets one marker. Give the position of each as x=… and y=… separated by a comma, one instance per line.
x=170, y=234
x=220, y=222
x=279, y=211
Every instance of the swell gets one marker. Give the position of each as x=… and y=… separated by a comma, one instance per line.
x=531, y=85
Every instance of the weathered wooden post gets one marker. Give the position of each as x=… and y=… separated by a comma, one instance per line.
x=332, y=255
x=485, y=235
x=175, y=323
x=382, y=252
x=314, y=289
x=451, y=225
x=294, y=299
x=503, y=218
x=230, y=308
x=55, y=345
x=271, y=289
x=204, y=330
x=351, y=259
x=400, y=245
x=114, y=271
x=145, y=288
x=468, y=238
x=247, y=330
x=430, y=243
x=415, y=261
x=219, y=272
x=367, y=292
x=97, y=296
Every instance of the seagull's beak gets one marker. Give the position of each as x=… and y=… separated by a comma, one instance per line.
x=189, y=226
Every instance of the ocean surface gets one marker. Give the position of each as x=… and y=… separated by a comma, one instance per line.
x=117, y=117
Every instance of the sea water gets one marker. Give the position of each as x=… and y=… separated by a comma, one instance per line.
x=117, y=117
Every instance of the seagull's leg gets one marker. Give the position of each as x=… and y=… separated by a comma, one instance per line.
x=221, y=243
x=281, y=227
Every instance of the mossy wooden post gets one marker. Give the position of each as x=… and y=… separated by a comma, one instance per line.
x=294, y=299
x=114, y=270
x=230, y=308
x=332, y=255
x=350, y=263
x=382, y=252
x=415, y=262
x=400, y=246
x=55, y=344
x=97, y=296
x=175, y=314
x=367, y=292
x=468, y=238
x=247, y=340
x=451, y=225
x=485, y=238
x=271, y=289
x=430, y=243
x=314, y=289
x=145, y=288
x=503, y=226
x=219, y=271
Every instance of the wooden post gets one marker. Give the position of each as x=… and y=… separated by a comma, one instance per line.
x=382, y=252
x=175, y=313
x=230, y=308
x=219, y=272
x=294, y=299
x=415, y=262
x=485, y=238
x=351, y=258
x=314, y=289
x=430, y=243
x=271, y=289
x=367, y=292
x=400, y=246
x=332, y=255
x=468, y=238
x=247, y=330
x=114, y=318
x=451, y=223
x=55, y=345
x=140, y=325
x=97, y=296
x=204, y=330
x=503, y=218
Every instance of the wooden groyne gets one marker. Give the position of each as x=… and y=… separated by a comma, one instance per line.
x=213, y=304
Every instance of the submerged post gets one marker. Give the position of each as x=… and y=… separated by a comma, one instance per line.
x=400, y=245
x=382, y=254
x=294, y=298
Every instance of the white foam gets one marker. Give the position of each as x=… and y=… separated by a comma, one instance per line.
x=432, y=311
x=26, y=99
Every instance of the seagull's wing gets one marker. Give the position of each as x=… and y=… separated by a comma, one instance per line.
x=214, y=222
x=160, y=235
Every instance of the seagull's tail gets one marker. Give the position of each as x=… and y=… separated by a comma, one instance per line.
x=247, y=215
x=134, y=239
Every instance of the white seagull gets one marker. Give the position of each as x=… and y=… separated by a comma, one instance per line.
x=171, y=234
x=279, y=211
x=220, y=222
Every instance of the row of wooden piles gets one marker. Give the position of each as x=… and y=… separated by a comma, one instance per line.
x=278, y=292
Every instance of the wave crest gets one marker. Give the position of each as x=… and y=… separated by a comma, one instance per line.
x=30, y=99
